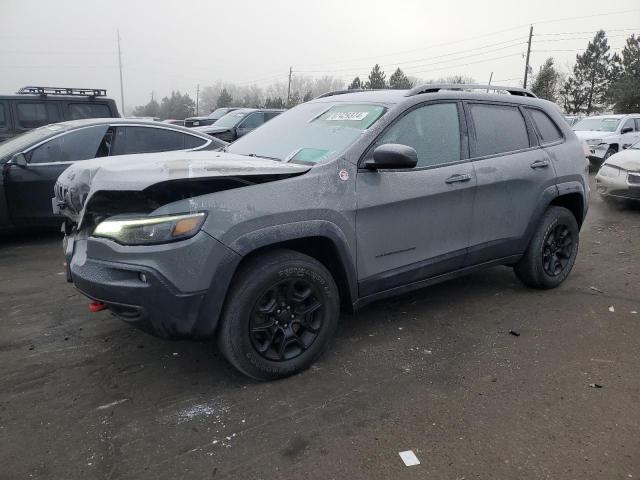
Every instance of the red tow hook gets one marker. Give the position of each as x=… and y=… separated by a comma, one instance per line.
x=96, y=307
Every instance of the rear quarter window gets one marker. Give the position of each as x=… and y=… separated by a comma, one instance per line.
x=498, y=129
x=79, y=111
x=547, y=129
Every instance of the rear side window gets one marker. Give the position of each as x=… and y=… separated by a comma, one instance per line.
x=191, y=141
x=499, y=129
x=3, y=118
x=149, y=139
x=547, y=130
x=433, y=131
x=88, y=110
x=33, y=115
x=79, y=144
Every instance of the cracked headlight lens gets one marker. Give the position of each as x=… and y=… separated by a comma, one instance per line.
x=150, y=230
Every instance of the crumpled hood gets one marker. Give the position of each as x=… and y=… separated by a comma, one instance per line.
x=626, y=159
x=589, y=134
x=82, y=180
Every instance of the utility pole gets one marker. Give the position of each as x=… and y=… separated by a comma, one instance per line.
x=490, y=78
x=526, y=67
x=198, y=100
x=289, y=87
x=120, y=64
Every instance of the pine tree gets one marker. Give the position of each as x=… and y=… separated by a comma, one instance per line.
x=377, y=79
x=177, y=106
x=356, y=84
x=307, y=96
x=225, y=99
x=625, y=86
x=545, y=84
x=589, y=85
x=399, y=80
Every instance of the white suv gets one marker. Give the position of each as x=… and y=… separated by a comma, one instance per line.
x=608, y=134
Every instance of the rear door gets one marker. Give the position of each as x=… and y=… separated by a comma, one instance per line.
x=29, y=189
x=512, y=170
x=414, y=223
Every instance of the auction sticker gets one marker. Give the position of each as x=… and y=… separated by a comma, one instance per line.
x=343, y=174
x=342, y=116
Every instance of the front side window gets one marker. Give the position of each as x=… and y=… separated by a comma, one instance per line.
x=88, y=110
x=499, y=129
x=433, y=131
x=230, y=119
x=149, y=139
x=629, y=124
x=33, y=115
x=253, y=121
x=547, y=130
x=79, y=144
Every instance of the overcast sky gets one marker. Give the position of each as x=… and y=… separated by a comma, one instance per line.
x=177, y=44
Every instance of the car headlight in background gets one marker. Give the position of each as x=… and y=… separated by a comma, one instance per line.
x=609, y=171
x=150, y=230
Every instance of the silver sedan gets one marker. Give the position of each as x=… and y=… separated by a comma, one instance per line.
x=619, y=176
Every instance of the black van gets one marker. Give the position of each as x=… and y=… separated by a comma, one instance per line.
x=33, y=107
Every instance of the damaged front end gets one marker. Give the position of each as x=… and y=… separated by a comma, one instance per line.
x=146, y=267
x=91, y=191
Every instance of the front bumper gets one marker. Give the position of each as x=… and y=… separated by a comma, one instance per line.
x=171, y=290
x=625, y=185
x=597, y=152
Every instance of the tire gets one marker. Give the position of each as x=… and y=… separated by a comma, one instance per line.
x=610, y=152
x=547, y=263
x=259, y=335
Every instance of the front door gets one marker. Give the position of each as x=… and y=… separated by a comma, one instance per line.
x=414, y=224
x=29, y=188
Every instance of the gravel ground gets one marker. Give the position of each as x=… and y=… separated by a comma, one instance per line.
x=85, y=396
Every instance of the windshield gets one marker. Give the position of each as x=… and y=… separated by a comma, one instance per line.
x=218, y=112
x=231, y=119
x=25, y=140
x=597, y=124
x=309, y=133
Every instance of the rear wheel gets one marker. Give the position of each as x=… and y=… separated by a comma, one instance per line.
x=552, y=250
x=281, y=312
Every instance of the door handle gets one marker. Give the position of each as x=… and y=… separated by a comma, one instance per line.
x=540, y=164
x=459, y=177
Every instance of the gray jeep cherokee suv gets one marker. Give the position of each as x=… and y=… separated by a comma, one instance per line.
x=349, y=198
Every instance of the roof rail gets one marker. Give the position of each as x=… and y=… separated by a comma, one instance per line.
x=78, y=92
x=354, y=90
x=436, y=87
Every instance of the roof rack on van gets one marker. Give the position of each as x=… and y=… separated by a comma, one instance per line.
x=436, y=87
x=78, y=92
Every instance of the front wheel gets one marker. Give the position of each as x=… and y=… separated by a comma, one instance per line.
x=552, y=250
x=280, y=315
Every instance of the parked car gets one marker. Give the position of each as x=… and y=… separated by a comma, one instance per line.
x=174, y=122
x=619, y=177
x=32, y=162
x=33, y=107
x=213, y=117
x=608, y=134
x=340, y=201
x=239, y=122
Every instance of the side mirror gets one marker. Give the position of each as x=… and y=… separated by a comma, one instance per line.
x=393, y=155
x=19, y=159
x=626, y=130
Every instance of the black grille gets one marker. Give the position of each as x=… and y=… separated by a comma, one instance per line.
x=634, y=178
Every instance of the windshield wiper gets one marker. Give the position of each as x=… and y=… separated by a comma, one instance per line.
x=263, y=156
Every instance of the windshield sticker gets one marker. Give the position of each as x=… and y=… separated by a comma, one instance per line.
x=360, y=116
x=353, y=116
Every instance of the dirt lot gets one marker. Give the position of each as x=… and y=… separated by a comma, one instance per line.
x=85, y=396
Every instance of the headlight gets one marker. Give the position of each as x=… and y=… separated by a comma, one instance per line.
x=594, y=141
x=150, y=230
x=608, y=171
